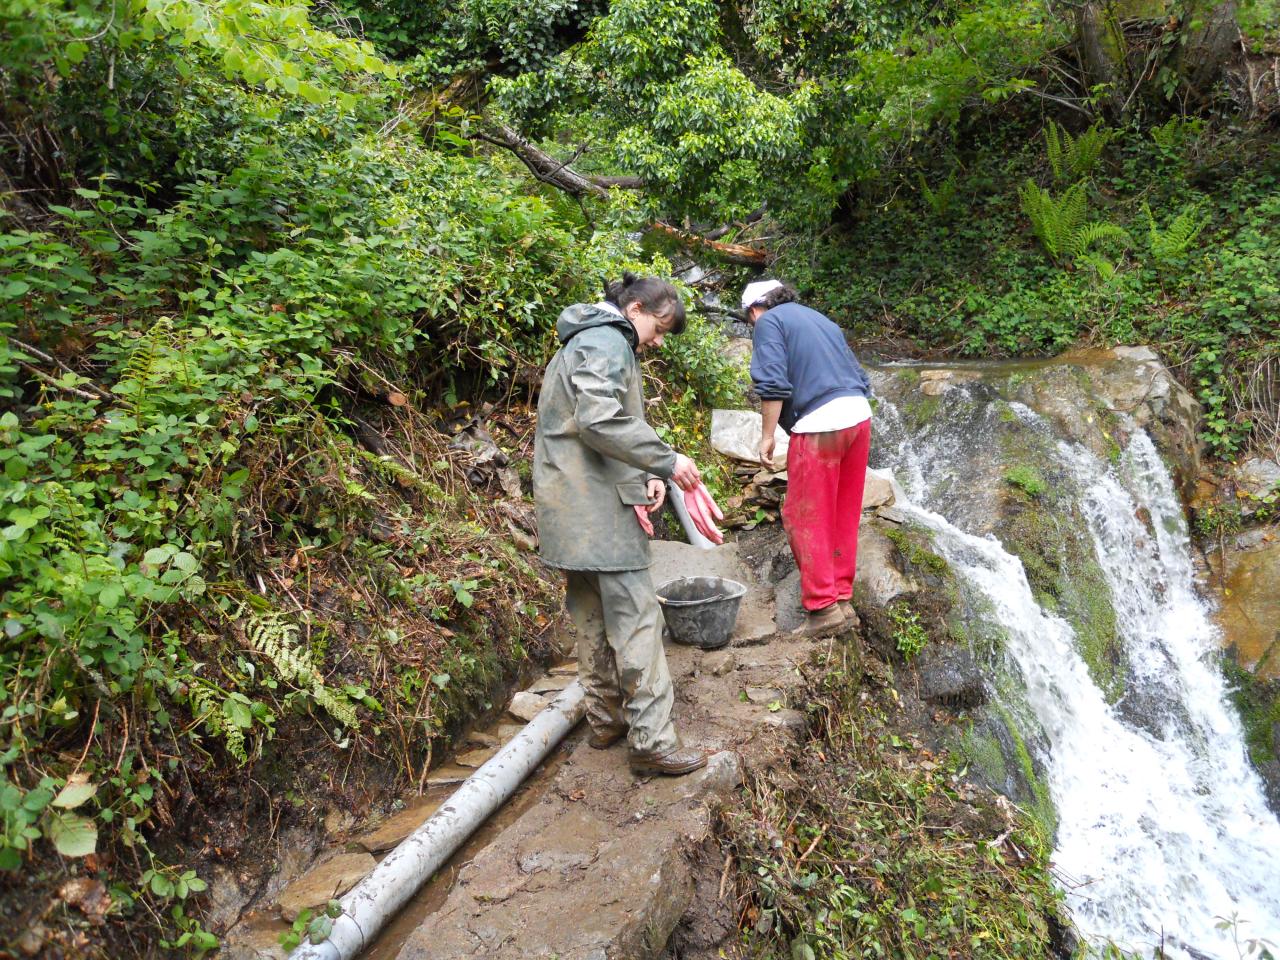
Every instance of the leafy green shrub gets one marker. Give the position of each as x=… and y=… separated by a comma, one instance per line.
x=909, y=634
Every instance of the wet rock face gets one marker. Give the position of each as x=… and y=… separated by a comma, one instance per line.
x=1249, y=614
x=1094, y=397
x=951, y=677
x=1250, y=607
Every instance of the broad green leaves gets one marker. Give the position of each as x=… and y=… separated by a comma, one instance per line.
x=807, y=100
x=267, y=42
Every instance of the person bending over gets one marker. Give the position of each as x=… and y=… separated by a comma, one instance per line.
x=812, y=385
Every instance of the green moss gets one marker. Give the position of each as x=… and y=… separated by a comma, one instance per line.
x=1027, y=479
x=1258, y=702
x=1041, y=807
x=1066, y=578
x=921, y=409
x=909, y=376
x=984, y=752
x=910, y=542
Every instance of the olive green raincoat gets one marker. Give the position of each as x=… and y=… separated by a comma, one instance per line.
x=594, y=452
x=592, y=456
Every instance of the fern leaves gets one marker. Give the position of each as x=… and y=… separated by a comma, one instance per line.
x=1172, y=242
x=939, y=200
x=277, y=640
x=1061, y=222
x=1074, y=157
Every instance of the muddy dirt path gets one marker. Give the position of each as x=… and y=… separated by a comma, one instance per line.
x=588, y=860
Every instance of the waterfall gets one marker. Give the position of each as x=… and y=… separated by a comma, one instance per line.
x=1163, y=828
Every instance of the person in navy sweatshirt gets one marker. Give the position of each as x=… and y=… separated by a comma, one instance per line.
x=812, y=385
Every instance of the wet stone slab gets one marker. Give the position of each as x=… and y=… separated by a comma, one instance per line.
x=598, y=866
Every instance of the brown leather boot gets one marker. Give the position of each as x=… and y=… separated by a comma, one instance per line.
x=605, y=737
x=850, y=614
x=826, y=622
x=674, y=764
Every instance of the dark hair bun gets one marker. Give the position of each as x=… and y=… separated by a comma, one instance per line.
x=614, y=289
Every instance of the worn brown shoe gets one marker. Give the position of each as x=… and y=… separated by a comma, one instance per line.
x=826, y=622
x=605, y=737
x=850, y=614
x=674, y=764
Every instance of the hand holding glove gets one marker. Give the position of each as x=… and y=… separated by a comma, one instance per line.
x=702, y=509
x=657, y=491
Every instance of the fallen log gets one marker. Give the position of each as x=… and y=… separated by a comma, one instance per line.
x=738, y=253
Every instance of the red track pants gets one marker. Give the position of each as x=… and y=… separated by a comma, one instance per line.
x=825, y=476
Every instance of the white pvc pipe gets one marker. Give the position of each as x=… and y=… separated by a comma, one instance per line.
x=676, y=496
x=376, y=898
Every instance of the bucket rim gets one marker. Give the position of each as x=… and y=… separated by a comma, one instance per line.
x=736, y=591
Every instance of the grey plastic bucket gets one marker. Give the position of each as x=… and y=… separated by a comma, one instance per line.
x=701, y=611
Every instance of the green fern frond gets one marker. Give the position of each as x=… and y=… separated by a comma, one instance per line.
x=1060, y=222
x=1054, y=147
x=1086, y=150
x=939, y=200
x=1074, y=157
x=1173, y=241
x=1093, y=233
x=1104, y=268
x=138, y=374
x=277, y=640
x=206, y=703
x=338, y=706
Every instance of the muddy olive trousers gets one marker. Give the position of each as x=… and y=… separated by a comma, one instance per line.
x=620, y=659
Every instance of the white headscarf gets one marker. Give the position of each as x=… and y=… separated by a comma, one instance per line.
x=753, y=293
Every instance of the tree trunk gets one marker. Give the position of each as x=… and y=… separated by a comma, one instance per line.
x=1101, y=59
x=1209, y=39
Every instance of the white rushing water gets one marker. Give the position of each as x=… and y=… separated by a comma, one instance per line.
x=1163, y=828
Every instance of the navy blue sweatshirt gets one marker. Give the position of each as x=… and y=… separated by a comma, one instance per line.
x=801, y=358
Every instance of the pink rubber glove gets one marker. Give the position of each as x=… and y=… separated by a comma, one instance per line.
x=642, y=514
x=712, y=507
x=701, y=507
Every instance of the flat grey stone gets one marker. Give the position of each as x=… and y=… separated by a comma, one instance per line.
x=719, y=662
x=399, y=825
x=877, y=491
x=475, y=758
x=764, y=695
x=791, y=721
x=448, y=775
x=552, y=684
x=525, y=706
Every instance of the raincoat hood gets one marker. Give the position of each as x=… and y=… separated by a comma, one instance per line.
x=583, y=316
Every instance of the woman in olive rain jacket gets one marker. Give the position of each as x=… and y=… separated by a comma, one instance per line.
x=598, y=471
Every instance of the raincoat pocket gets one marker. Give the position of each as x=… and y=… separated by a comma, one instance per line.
x=633, y=493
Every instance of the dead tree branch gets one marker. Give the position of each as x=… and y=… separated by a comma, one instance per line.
x=738, y=253
x=548, y=169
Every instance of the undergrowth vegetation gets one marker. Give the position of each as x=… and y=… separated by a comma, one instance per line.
x=869, y=845
x=1166, y=234
x=242, y=518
